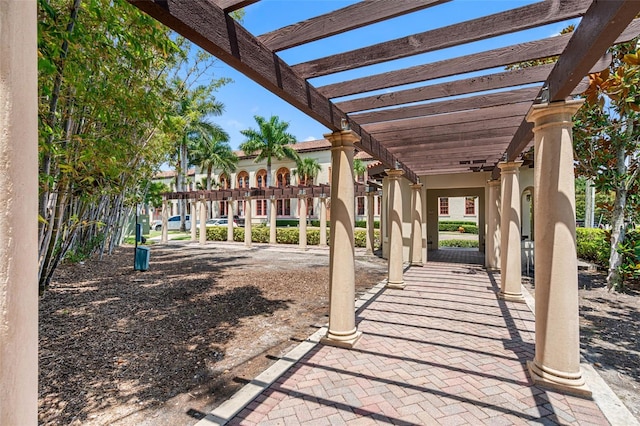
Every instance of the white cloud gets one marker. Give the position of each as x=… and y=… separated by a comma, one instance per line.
x=310, y=138
x=235, y=124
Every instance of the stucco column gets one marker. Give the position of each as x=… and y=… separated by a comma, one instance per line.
x=384, y=219
x=203, y=220
x=492, y=253
x=370, y=223
x=302, y=221
x=18, y=214
x=247, y=221
x=396, y=278
x=557, y=351
x=230, y=219
x=323, y=221
x=342, y=319
x=510, y=245
x=165, y=221
x=416, y=225
x=193, y=215
x=272, y=220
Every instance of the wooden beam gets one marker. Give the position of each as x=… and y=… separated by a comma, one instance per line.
x=499, y=125
x=470, y=103
x=606, y=23
x=500, y=57
x=202, y=22
x=459, y=137
x=537, y=74
x=598, y=30
x=454, y=119
x=232, y=5
x=470, y=147
x=522, y=18
x=358, y=15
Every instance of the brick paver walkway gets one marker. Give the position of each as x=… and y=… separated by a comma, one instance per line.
x=443, y=351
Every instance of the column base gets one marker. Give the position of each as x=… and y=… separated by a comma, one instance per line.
x=417, y=263
x=347, y=342
x=512, y=297
x=396, y=285
x=555, y=380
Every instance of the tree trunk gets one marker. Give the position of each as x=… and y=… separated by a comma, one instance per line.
x=618, y=227
x=268, y=185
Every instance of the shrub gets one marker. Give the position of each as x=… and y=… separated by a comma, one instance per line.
x=454, y=226
x=459, y=243
x=630, y=251
x=363, y=224
x=593, y=245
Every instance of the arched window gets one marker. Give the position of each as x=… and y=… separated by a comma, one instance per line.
x=283, y=177
x=261, y=178
x=224, y=181
x=261, y=182
x=243, y=179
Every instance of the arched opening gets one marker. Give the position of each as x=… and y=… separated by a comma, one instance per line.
x=261, y=182
x=283, y=179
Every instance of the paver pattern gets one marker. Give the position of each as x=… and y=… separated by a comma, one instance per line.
x=444, y=351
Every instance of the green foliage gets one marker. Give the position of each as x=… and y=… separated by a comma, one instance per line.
x=307, y=170
x=454, y=226
x=363, y=224
x=458, y=243
x=82, y=252
x=154, y=193
x=592, y=244
x=260, y=234
x=630, y=251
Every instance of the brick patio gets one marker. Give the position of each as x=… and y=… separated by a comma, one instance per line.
x=443, y=351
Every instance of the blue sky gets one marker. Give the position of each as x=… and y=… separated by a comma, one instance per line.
x=243, y=98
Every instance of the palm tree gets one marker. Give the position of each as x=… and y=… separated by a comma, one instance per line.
x=270, y=140
x=307, y=169
x=359, y=168
x=210, y=151
x=189, y=123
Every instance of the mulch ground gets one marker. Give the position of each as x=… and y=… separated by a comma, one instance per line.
x=162, y=347
x=125, y=347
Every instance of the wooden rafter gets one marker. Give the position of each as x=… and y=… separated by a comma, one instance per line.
x=358, y=15
x=452, y=120
x=462, y=104
x=211, y=28
x=604, y=24
x=233, y=5
x=537, y=74
x=542, y=13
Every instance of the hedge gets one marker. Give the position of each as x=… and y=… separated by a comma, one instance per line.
x=593, y=245
x=260, y=234
x=452, y=226
x=458, y=243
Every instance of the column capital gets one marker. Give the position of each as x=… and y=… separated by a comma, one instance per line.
x=493, y=183
x=417, y=186
x=342, y=139
x=554, y=113
x=509, y=166
x=395, y=173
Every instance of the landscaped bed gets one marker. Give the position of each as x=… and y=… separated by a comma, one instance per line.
x=161, y=347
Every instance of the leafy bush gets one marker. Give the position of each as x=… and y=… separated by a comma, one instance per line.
x=452, y=226
x=459, y=243
x=363, y=224
x=630, y=251
x=593, y=245
x=260, y=234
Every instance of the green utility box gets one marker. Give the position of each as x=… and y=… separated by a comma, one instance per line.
x=142, y=258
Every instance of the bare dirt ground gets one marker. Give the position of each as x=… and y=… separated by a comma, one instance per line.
x=162, y=347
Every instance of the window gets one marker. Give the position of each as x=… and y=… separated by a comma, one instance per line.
x=444, y=206
x=223, y=208
x=224, y=181
x=470, y=206
x=283, y=207
x=360, y=206
x=261, y=182
x=243, y=180
x=283, y=177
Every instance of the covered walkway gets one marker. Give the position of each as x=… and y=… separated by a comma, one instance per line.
x=445, y=350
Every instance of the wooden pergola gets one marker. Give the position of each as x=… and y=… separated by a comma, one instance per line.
x=443, y=132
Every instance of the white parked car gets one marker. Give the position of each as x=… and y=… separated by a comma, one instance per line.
x=173, y=223
x=220, y=222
